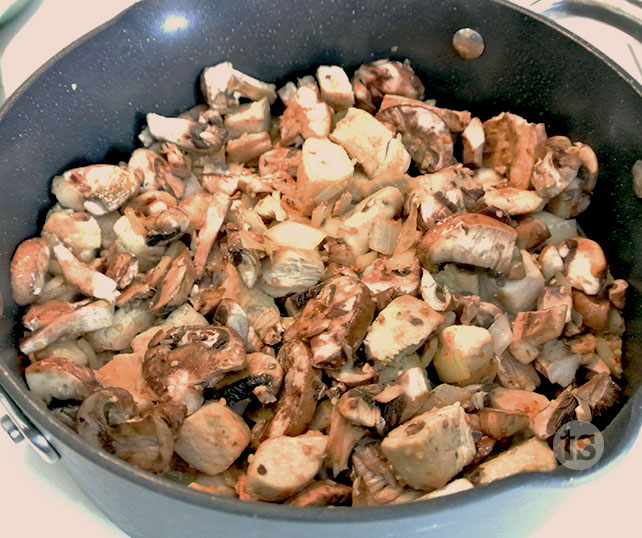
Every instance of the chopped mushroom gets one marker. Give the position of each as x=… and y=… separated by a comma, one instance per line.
x=585, y=264
x=61, y=379
x=29, y=266
x=102, y=410
x=321, y=493
x=388, y=278
x=379, y=482
x=473, y=139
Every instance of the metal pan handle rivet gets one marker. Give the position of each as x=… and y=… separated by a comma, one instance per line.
x=468, y=43
x=12, y=430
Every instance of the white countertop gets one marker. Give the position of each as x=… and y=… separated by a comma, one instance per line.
x=38, y=499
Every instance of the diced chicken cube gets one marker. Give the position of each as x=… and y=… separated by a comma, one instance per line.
x=126, y=371
x=401, y=328
x=306, y=115
x=533, y=455
x=325, y=171
x=335, y=86
x=221, y=85
x=530, y=403
x=369, y=141
x=250, y=118
x=248, y=146
x=464, y=355
x=212, y=438
x=283, y=466
x=429, y=450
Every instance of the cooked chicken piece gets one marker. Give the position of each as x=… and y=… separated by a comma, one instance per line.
x=78, y=231
x=283, y=466
x=280, y=160
x=540, y=326
x=248, y=146
x=530, y=403
x=251, y=118
x=212, y=438
x=125, y=371
x=514, y=201
x=400, y=328
x=499, y=423
x=514, y=144
x=404, y=398
x=186, y=133
x=129, y=321
x=306, y=115
x=155, y=172
x=427, y=451
x=513, y=374
x=370, y=142
x=61, y=379
x=335, y=87
x=324, y=172
x=532, y=455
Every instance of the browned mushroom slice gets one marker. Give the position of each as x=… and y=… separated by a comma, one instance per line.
x=98, y=189
x=473, y=139
x=291, y=270
x=471, y=239
x=515, y=144
x=147, y=441
x=322, y=493
x=85, y=318
x=297, y=401
x=512, y=374
x=214, y=216
x=29, y=266
x=424, y=134
x=499, y=423
x=261, y=378
x=550, y=419
x=456, y=120
x=540, y=326
x=186, y=133
x=129, y=320
x=405, y=397
x=617, y=293
x=600, y=392
x=388, y=278
x=558, y=363
x=181, y=360
x=175, y=286
x=154, y=172
x=89, y=281
x=532, y=455
x=102, y=410
x=305, y=115
x=343, y=437
x=594, y=311
x=554, y=172
x=374, y=80
x=514, y=201
x=167, y=226
x=122, y=268
x=359, y=406
x=77, y=230
x=125, y=371
x=531, y=232
x=585, y=264
x=60, y=379
x=401, y=328
x=427, y=451
x=379, y=481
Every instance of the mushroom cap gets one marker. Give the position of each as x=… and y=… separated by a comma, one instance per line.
x=60, y=378
x=101, y=410
x=424, y=134
x=471, y=239
x=29, y=266
x=585, y=264
x=375, y=79
x=191, y=355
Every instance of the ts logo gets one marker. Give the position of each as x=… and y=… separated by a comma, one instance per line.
x=578, y=445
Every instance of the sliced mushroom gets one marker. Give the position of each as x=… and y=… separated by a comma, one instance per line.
x=98, y=189
x=181, y=360
x=283, y=466
x=617, y=293
x=215, y=214
x=594, y=311
x=473, y=139
x=175, y=286
x=167, y=226
x=513, y=374
x=186, y=133
x=374, y=80
x=261, y=378
x=61, y=379
x=424, y=134
x=358, y=405
x=85, y=318
x=531, y=233
x=514, y=201
x=298, y=398
x=125, y=371
x=29, y=266
x=471, y=239
x=380, y=484
x=404, y=398
x=558, y=412
x=600, y=393
x=558, y=363
x=129, y=321
x=388, y=278
x=342, y=438
x=131, y=237
x=532, y=455
x=322, y=493
x=102, y=410
x=155, y=172
x=122, y=268
x=77, y=230
x=400, y=328
x=515, y=144
x=554, y=172
x=290, y=271
x=585, y=264
x=427, y=451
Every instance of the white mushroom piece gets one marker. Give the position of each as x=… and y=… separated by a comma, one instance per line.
x=29, y=266
x=60, y=379
x=154, y=172
x=212, y=438
x=181, y=361
x=186, y=133
x=427, y=451
x=372, y=81
x=424, y=134
x=77, y=230
x=585, y=264
x=283, y=466
x=388, y=278
x=98, y=189
x=471, y=239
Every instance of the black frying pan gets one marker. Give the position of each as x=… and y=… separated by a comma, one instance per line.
x=131, y=66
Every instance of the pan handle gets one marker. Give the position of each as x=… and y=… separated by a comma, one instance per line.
x=19, y=427
x=626, y=15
